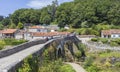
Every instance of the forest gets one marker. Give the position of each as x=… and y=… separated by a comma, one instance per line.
x=75, y=14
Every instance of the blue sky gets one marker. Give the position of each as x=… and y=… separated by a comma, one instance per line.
x=9, y=6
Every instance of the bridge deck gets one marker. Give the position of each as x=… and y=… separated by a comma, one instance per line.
x=7, y=62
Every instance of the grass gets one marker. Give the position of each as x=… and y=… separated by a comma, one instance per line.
x=110, y=54
x=101, y=61
x=10, y=42
x=66, y=68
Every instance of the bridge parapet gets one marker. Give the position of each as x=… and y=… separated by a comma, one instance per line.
x=20, y=47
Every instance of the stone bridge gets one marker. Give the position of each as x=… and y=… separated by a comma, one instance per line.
x=12, y=59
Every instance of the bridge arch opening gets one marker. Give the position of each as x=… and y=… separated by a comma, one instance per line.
x=59, y=53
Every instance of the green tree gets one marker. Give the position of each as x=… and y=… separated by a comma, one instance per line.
x=20, y=25
x=12, y=26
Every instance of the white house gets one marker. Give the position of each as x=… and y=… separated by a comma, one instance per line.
x=19, y=34
x=9, y=33
x=37, y=29
x=52, y=28
x=112, y=33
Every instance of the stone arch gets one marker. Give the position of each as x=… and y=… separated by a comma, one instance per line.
x=59, y=51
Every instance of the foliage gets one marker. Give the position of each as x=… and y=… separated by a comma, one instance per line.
x=93, y=68
x=2, y=44
x=62, y=30
x=103, y=40
x=66, y=68
x=97, y=14
x=94, y=39
x=1, y=26
x=78, y=54
x=113, y=44
x=109, y=54
x=103, y=61
x=9, y=41
x=12, y=26
x=33, y=64
x=20, y=25
x=88, y=62
x=117, y=64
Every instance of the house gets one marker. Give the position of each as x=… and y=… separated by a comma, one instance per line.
x=52, y=28
x=66, y=27
x=112, y=33
x=49, y=35
x=20, y=34
x=9, y=33
x=37, y=29
x=43, y=35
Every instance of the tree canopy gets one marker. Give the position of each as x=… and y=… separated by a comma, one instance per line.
x=76, y=14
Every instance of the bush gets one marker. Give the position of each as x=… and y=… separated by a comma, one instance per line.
x=104, y=40
x=92, y=68
x=94, y=39
x=113, y=44
x=66, y=68
x=62, y=29
x=117, y=64
x=17, y=42
x=2, y=44
x=88, y=62
x=78, y=54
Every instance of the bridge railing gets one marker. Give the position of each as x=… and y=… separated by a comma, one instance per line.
x=20, y=47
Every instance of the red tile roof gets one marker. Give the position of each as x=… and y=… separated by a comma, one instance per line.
x=37, y=34
x=36, y=27
x=111, y=31
x=9, y=31
x=1, y=31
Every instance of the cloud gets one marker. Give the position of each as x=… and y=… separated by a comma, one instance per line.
x=42, y=3
x=39, y=3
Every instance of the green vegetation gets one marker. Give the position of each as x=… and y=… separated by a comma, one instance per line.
x=102, y=61
x=97, y=14
x=111, y=42
x=48, y=64
x=10, y=42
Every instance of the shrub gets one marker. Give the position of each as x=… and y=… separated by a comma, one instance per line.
x=62, y=29
x=113, y=44
x=108, y=64
x=92, y=68
x=88, y=62
x=78, y=54
x=17, y=42
x=94, y=39
x=66, y=68
x=104, y=40
x=2, y=44
x=117, y=64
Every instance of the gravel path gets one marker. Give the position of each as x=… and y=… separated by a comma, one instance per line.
x=76, y=67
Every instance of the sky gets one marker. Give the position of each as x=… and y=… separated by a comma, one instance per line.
x=9, y=6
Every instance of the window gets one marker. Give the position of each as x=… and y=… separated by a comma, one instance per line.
x=38, y=30
x=113, y=35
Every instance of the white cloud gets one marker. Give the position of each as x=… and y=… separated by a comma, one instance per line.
x=39, y=3
x=42, y=3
